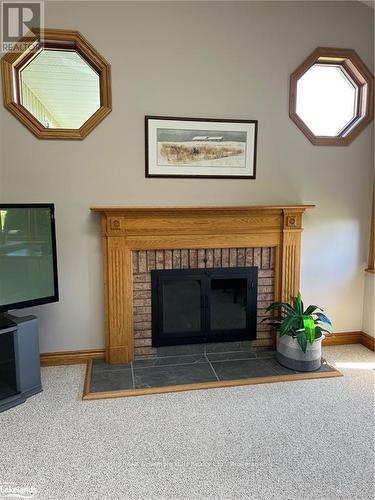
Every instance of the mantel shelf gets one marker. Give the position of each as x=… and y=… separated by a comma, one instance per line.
x=195, y=209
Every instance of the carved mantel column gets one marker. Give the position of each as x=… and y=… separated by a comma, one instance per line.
x=291, y=253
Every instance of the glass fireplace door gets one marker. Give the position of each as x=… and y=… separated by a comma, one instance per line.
x=232, y=303
x=203, y=305
x=228, y=304
x=178, y=307
x=182, y=306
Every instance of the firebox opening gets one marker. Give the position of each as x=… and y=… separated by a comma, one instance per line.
x=203, y=305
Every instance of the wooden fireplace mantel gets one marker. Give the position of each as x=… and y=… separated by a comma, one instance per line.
x=128, y=229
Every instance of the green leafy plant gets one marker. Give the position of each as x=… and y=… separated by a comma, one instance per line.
x=305, y=325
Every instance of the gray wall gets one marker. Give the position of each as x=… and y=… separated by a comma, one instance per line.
x=224, y=60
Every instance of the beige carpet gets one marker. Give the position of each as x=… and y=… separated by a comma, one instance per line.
x=312, y=439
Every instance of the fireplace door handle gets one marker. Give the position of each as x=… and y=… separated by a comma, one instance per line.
x=204, y=301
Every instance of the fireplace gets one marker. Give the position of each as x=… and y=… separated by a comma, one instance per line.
x=139, y=240
x=192, y=306
x=203, y=260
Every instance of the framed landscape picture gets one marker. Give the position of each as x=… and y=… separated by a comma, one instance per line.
x=200, y=147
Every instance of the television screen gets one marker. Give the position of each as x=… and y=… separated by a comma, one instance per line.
x=28, y=269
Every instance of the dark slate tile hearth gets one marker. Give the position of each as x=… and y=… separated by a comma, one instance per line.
x=229, y=356
x=189, y=366
x=244, y=368
x=178, y=350
x=111, y=380
x=100, y=365
x=162, y=376
x=229, y=347
x=326, y=367
x=169, y=360
x=273, y=364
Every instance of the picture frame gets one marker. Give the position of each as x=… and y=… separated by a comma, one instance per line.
x=205, y=148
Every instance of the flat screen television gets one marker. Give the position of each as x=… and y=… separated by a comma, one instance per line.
x=28, y=262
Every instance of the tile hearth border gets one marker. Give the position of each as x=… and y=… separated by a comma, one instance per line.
x=127, y=374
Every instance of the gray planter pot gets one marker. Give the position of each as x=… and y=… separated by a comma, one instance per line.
x=290, y=354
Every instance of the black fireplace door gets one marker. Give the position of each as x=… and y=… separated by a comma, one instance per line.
x=203, y=305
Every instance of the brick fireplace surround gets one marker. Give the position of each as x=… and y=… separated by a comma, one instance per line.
x=145, y=261
x=137, y=240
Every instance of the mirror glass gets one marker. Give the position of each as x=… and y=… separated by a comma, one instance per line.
x=59, y=88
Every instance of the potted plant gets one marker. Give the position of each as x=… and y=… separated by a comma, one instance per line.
x=299, y=333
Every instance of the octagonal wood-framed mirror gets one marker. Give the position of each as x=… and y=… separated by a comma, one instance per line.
x=59, y=87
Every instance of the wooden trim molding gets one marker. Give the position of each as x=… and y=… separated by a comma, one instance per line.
x=371, y=255
x=368, y=341
x=70, y=357
x=128, y=229
x=87, y=395
x=343, y=338
x=87, y=381
x=36, y=41
x=360, y=76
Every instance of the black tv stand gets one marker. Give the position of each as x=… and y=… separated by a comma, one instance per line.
x=6, y=322
x=19, y=360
